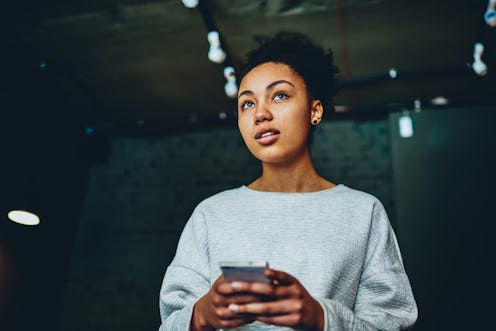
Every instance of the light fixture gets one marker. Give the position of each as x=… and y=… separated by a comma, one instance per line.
x=490, y=14
x=190, y=3
x=405, y=125
x=479, y=67
x=417, y=105
x=439, y=101
x=341, y=108
x=230, y=88
x=393, y=73
x=23, y=217
x=215, y=52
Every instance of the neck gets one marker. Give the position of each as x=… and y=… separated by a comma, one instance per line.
x=290, y=177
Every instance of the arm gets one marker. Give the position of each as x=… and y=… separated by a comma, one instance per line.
x=187, y=278
x=187, y=299
x=384, y=299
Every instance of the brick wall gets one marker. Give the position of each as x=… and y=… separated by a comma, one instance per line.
x=140, y=198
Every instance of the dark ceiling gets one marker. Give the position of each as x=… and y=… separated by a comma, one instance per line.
x=145, y=61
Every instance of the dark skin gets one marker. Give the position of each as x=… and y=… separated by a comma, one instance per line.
x=275, y=113
x=284, y=302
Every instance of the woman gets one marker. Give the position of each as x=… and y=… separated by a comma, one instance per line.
x=336, y=261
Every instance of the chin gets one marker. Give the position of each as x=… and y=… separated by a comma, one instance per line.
x=272, y=158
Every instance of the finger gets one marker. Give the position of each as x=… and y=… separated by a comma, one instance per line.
x=233, y=323
x=225, y=314
x=281, y=320
x=246, y=298
x=244, y=287
x=224, y=301
x=280, y=307
x=279, y=277
x=270, y=291
x=228, y=288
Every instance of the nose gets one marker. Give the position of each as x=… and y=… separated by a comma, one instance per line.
x=262, y=114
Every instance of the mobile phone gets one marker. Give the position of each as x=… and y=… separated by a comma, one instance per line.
x=249, y=271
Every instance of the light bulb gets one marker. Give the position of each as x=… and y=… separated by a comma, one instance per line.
x=190, y=3
x=23, y=217
x=479, y=66
x=230, y=88
x=405, y=124
x=439, y=101
x=215, y=53
x=393, y=73
x=490, y=14
x=417, y=105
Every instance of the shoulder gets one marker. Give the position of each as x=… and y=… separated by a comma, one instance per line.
x=223, y=196
x=220, y=200
x=354, y=197
x=359, y=208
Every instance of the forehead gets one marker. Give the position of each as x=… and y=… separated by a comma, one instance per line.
x=266, y=73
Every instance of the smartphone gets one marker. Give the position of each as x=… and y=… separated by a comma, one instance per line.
x=248, y=271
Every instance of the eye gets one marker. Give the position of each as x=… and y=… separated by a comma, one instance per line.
x=280, y=96
x=246, y=104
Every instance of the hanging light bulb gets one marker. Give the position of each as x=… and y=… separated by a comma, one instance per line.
x=417, y=105
x=479, y=67
x=190, y=3
x=215, y=53
x=406, y=126
x=230, y=88
x=490, y=14
x=393, y=73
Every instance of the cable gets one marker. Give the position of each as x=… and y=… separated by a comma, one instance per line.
x=342, y=40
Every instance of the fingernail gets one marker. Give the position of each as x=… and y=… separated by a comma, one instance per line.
x=236, y=285
x=233, y=307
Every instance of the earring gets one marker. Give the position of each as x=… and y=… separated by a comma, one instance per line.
x=315, y=121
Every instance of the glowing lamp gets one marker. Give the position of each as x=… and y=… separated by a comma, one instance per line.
x=405, y=125
x=478, y=65
x=490, y=14
x=215, y=52
x=190, y=3
x=230, y=88
x=23, y=217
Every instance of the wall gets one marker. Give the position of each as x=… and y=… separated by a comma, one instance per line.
x=445, y=205
x=140, y=198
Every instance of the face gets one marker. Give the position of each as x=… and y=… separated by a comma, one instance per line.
x=275, y=113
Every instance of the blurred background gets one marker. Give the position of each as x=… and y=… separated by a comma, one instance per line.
x=116, y=122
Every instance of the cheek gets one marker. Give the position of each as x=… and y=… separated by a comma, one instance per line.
x=242, y=129
x=298, y=121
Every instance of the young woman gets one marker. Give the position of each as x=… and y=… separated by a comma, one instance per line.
x=335, y=259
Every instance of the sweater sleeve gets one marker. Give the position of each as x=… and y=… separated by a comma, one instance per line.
x=384, y=298
x=186, y=278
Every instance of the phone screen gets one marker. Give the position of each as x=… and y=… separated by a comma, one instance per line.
x=248, y=272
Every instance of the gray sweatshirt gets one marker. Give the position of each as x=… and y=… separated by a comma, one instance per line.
x=337, y=242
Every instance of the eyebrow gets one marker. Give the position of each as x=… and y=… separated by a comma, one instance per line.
x=269, y=87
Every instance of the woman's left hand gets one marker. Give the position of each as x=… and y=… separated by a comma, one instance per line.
x=290, y=305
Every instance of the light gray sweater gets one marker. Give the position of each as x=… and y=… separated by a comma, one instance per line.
x=338, y=243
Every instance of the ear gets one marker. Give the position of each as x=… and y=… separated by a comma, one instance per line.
x=316, y=111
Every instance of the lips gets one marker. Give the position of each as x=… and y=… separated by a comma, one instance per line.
x=267, y=136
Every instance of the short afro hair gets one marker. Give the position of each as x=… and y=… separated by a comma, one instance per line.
x=311, y=62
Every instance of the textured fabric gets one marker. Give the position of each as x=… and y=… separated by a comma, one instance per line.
x=338, y=243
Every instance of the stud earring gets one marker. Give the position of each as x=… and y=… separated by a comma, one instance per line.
x=315, y=121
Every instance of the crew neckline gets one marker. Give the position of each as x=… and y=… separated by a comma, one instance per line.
x=338, y=187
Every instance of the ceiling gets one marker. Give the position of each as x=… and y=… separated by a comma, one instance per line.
x=141, y=62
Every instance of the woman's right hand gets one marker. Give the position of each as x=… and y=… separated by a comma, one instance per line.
x=211, y=312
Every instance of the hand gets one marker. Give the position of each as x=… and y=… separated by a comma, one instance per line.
x=211, y=311
x=291, y=304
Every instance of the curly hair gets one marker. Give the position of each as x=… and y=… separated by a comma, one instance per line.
x=311, y=62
